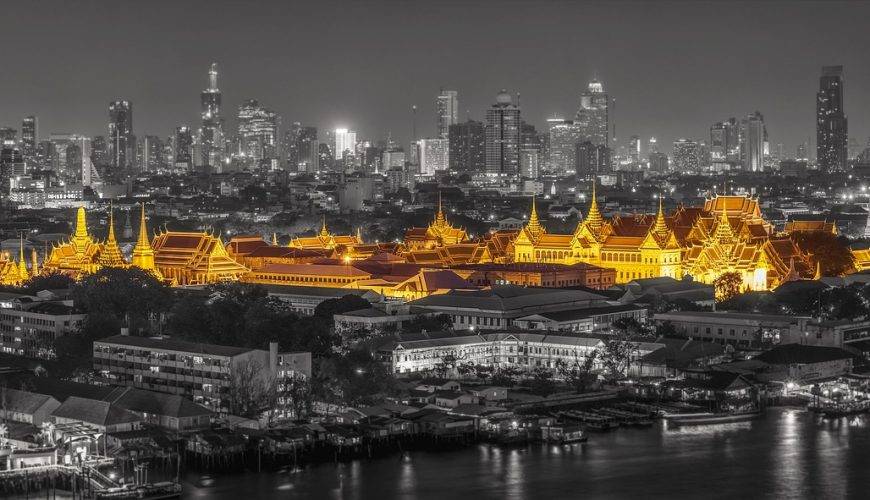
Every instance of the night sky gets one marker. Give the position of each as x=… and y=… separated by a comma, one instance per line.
x=674, y=68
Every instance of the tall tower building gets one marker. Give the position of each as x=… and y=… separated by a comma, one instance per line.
x=592, y=115
x=258, y=131
x=183, y=148
x=29, y=136
x=121, y=140
x=754, y=136
x=447, y=107
x=211, y=135
x=831, y=123
x=345, y=142
x=503, y=136
x=564, y=135
x=434, y=155
x=467, y=146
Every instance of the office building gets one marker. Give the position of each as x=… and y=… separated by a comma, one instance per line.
x=120, y=138
x=257, y=132
x=149, y=153
x=564, y=135
x=593, y=114
x=434, y=155
x=345, y=143
x=634, y=153
x=467, y=146
x=183, y=148
x=503, y=124
x=753, y=138
x=831, y=122
x=29, y=136
x=211, y=136
x=591, y=159
x=687, y=156
x=447, y=107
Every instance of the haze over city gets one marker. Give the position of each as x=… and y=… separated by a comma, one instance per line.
x=673, y=67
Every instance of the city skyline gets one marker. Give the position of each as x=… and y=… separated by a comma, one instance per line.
x=170, y=70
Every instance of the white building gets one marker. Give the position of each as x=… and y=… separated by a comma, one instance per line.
x=434, y=155
x=345, y=140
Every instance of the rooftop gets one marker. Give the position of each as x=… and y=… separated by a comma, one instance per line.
x=167, y=344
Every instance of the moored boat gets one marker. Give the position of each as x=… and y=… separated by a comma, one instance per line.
x=713, y=418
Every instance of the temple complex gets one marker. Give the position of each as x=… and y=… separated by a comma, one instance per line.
x=325, y=240
x=79, y=255
x=727, y=234
x=194, y=258
x=439, y=233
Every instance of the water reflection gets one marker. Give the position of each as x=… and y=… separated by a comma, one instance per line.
x=785, y=454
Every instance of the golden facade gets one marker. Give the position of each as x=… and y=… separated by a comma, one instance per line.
x=193, y=258
x=325, y=240
x=439, y=233
x=727, y=234
x=77, y=256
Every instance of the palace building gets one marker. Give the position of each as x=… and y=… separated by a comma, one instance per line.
x=79, y=255
x=727, y=234
x=439, y=233
x=194, y=258
x=325, y=240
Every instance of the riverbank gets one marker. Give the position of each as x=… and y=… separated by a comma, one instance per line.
x=787, y=452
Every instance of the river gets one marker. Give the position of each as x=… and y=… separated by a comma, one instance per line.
x=788, y=453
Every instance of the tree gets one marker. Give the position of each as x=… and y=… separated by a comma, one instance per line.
x=328, y=308
x=132, y=297
x=727, y=285
x=541, y=381
x=437, y=323
x=249, y=391
x=616, y=357
x=827, y=250
x=51, y=281
x=578, y=375
x=630, y=327
x=295, y=396
x=506, y=376
x=483, y=372
x=465, y=369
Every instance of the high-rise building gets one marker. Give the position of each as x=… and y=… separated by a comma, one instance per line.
x=467, y=146
x=687, y=156
x=29, y=136
x=531, y=145
x=394, y=157
x=652, y=145
x=434, y=155
x=634, y=149
x=300, y=148
x=183, y=148
x=258, y=132
x=447, y=107
x=754, y=136
x=8, y=136
x=592, y=159
x=121, y=140
x=831, y=123
x=564, y=135
x=211, y=135
x=149, y=153
x=345, y=141
x=593, y=114
x=503, y=136
x=658, y=162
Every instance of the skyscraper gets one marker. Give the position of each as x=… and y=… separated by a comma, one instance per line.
x=211, y=135
x=149, y=151
x=345, y=142
x=258, y=131
x=183, y=148
x=503, y=136
x=754, y=135
x=634, y=149
x=592, y=114
x=300, y=148
x=29, y=136
x=120, y=135
x=467, y=146
x=434, y=155
x=831, y=123
x=687, y=156
x=447, y=107
x=564, y=136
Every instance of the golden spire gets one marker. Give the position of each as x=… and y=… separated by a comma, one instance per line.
x=143, y=254
x=359, y=234
x=323, y=231
x=818, y=275
x=22, y=264
x=81, y=224
x=723, y=228
x=274, y=239
x=534, y=226
x=440, y=219
x=34, y=262
x=660, y=227
x=594, y=219
x=111, y=255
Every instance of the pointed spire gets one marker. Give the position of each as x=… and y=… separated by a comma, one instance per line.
x=323, y=231
x=440, y=219
x=594, y=218
x=22, y=264
x=359, y=234
x=143, y=254
x=111, y=255
x=274, y=239
x=81, y=224
x=723, y=228
x=818, y=275
x=660, y=227
x=534, y=226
